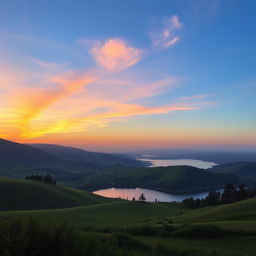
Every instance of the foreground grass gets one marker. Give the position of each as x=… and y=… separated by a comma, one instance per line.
x=29, y=238
x=103, y=226
x=224, y=246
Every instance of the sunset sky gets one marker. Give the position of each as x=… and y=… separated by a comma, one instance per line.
x=115, y=75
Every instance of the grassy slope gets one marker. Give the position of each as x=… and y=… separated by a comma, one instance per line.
x=124, y=213
x=119, y=212
x=116, y=213
x=24, y=194
x=242, y=210
x=236, y=216
x=224, y=246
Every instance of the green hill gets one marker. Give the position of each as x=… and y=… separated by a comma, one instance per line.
x=242, y=169
x=175, y=179
x=242, y=210
x=18, y=194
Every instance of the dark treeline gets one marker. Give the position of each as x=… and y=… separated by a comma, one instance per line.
x=47, y=178
x=230, y=194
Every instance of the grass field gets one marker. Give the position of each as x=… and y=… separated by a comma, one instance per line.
x=116, y=213
x=224, y=246
x=83, y=209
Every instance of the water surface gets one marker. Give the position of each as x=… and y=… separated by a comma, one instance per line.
x=173, y=162
x=151, y=195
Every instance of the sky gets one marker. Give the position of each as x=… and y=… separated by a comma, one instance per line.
x=119, y=76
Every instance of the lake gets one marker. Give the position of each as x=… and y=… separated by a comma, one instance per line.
x=151, y=195
x=172, y=162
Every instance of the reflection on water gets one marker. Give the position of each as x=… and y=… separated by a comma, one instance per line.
x=150, y=195
x=172, y=162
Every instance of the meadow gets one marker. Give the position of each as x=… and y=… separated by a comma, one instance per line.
x=125, y=227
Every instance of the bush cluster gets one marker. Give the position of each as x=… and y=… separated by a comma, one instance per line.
x=230, y=194
x=43, y=178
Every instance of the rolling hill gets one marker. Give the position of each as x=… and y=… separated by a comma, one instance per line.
x=67, y=165
x=89, y=170
x=242, y=169
x=244, y=210
x=246, y=171
x=174, y=179
x=19, y=194
x=80, y=155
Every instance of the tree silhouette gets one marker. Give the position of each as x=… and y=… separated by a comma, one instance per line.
x=142, y=197
x=229, y=194
x=213, y=198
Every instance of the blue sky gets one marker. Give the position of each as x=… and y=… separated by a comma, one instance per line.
x=185, y=70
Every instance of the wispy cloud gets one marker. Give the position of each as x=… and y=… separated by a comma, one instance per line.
x=48, y=64
x=129, y=90
x=175, y=22
x=165, y=35
x=195, y=97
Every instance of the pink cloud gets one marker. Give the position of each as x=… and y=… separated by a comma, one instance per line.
x=115, y=54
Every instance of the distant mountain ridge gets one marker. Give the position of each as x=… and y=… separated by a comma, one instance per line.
x=16, y=153
x=67, y=165
x=80, y=155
